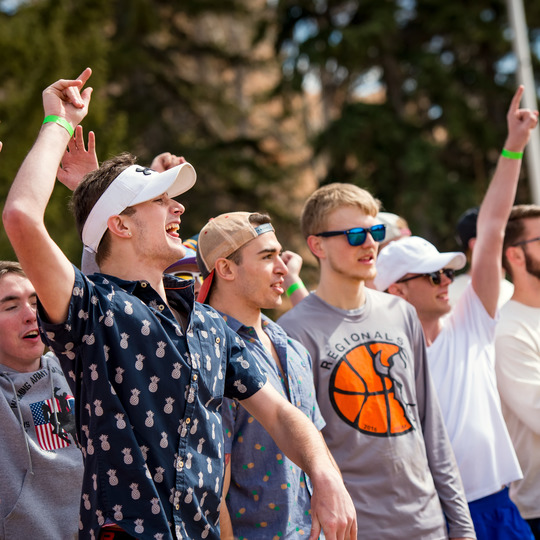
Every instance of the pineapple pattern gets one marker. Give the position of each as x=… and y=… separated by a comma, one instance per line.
x=136, y=374
x=274, y=490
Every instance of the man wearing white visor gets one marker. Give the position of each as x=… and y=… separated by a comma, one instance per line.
x=461, y=340
x=148, y=366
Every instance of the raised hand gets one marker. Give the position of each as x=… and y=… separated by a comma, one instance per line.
x=77, y=161
x=165, y=161
x=65, y=99
x=520, y=123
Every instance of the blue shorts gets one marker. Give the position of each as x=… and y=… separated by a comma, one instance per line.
x=496, y=517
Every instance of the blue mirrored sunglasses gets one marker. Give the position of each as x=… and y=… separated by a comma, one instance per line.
x=358, y=235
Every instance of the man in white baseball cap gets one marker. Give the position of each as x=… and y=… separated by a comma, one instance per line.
x=461, y=340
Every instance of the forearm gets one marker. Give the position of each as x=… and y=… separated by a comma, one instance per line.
x=33, y=185
x=331, y=505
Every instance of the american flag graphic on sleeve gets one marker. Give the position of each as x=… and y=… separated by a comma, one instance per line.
x=46, y=432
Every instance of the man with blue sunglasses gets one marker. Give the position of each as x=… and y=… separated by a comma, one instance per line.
x=461, y=340
x=383, y=422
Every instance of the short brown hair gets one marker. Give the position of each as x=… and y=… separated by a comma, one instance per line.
x=11, y=267
x=329, y=198
x=90, y=190
x=515, y=228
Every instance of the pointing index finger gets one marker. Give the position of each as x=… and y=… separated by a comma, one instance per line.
x=514, y=105
x=84, y=76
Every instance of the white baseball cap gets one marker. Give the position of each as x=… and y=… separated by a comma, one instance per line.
x=132, y=186
x=413, y=255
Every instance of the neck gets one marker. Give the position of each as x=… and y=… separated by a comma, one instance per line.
x=247, y=315
x=135, y=272
x=22, y=367
x=431, y=327
x=527, y=290
x=341, y=292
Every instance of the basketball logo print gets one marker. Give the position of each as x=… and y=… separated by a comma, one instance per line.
x=363, y=392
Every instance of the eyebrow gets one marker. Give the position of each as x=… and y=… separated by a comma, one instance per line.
x=13, y=297
x=269, y=250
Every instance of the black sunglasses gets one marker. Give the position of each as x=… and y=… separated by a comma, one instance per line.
x=358, y=235
x=434, y=277
x=523, y=242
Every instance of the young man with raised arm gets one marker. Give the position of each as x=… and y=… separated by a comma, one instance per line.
x=461, y=339
x=148, y=365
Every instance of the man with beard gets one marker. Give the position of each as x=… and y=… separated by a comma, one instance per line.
x=517, y=348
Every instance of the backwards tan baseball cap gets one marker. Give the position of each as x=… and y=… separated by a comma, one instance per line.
x=221, y=237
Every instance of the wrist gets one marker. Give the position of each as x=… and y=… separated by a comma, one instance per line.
x=61, y=121
x=296, y=285
x=511, y=154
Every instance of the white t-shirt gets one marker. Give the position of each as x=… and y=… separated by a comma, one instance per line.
x=517, y=346
x=462, y=359
x=461, y=282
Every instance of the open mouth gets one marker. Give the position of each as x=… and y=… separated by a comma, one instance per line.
x=33, y=334
x=172, y=230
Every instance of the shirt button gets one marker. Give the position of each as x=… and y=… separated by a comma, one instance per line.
x=180, y=464
x=195, y=377
x=161, y=307
x=188, y=420
x=218, y=340
x=177, y=507
x=143, y=284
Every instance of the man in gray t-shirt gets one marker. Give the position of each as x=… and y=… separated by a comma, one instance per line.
x=383, y=422
x=41, y=466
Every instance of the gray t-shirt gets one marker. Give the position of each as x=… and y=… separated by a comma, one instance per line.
x=383, y=422
x=41, y=466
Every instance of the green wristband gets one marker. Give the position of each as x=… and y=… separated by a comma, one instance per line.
x=294, y=287
x=511, y=155
x=60, y=121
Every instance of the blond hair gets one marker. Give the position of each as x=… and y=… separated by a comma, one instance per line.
x=330, y=197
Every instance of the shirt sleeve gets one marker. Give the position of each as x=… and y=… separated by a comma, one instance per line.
x=244, y=375
x=440, y=455
x=64, y=338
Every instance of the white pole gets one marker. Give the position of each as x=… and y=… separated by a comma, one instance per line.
x=516, y=14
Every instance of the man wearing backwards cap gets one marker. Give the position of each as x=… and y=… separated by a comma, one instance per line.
x=460, y=340
x=148, y=366
x=241, y=257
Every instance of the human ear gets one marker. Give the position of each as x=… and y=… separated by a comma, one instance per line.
x=118, y=227
x=316, y=246
x=225, y=269
x=398, y=289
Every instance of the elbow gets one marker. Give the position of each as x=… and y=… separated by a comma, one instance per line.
x=16, y=220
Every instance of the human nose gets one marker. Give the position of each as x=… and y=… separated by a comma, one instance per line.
x=29, y=313
x=177, y=208
x=369, y=240
x=445, y=280
x=281, y=268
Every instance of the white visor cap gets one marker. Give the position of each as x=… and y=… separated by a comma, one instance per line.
x=132, y=186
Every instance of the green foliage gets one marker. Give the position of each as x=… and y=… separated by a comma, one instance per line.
x=428, y=145
x=217, y=81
